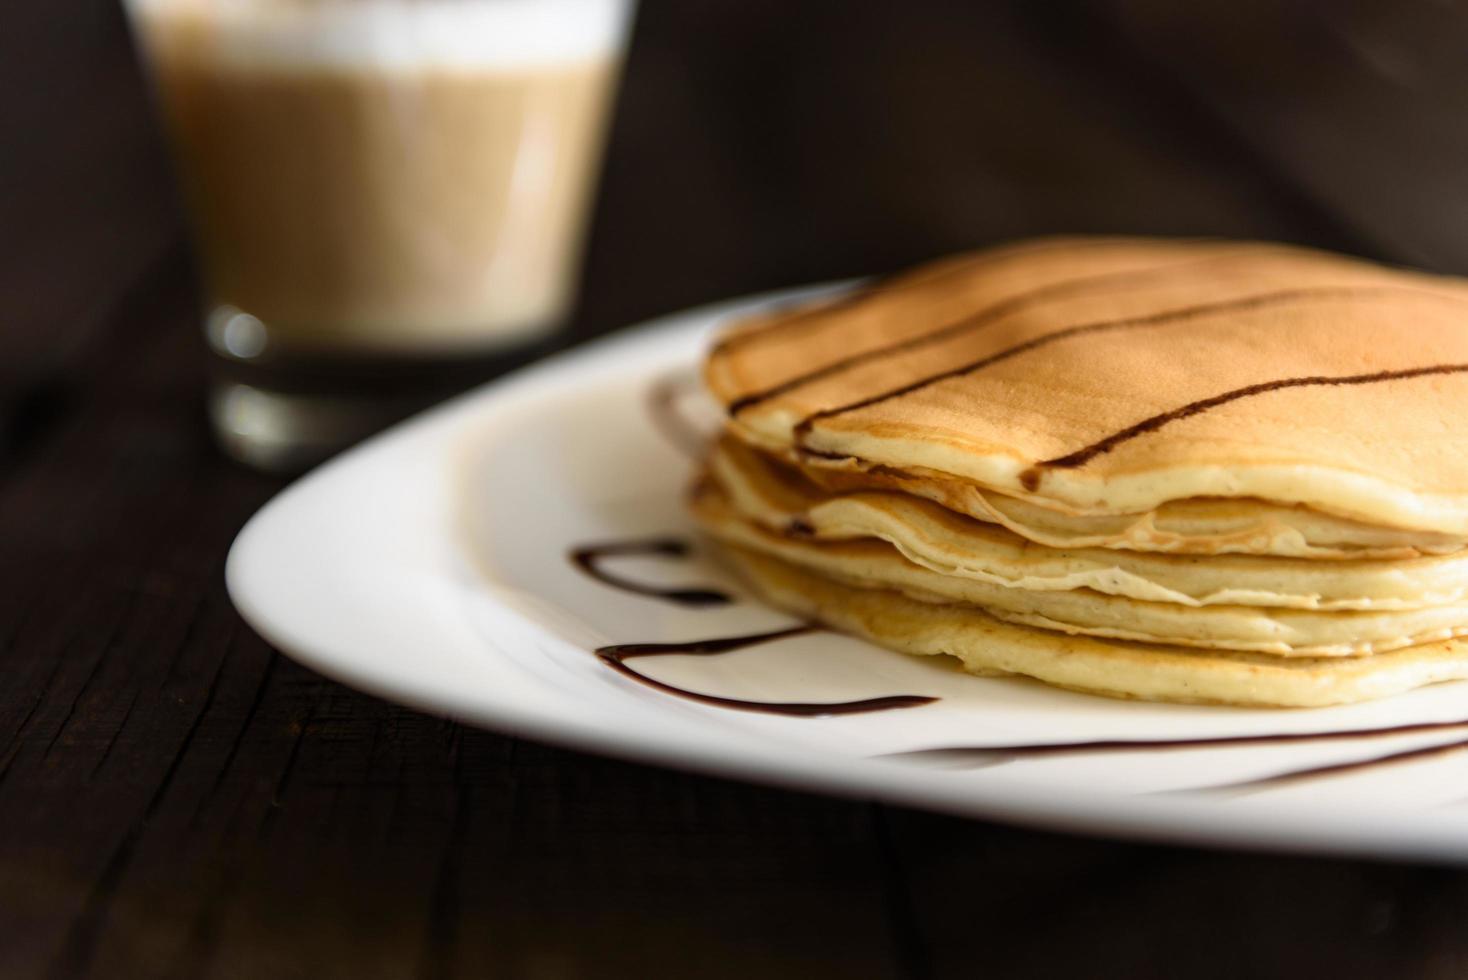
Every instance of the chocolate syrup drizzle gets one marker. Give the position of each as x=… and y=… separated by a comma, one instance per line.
x=995, y=755
x=1181, y=315
x=588, y=558
x=1101, y=446
x=616, y=657
x=977, y=321
x=1337, y=768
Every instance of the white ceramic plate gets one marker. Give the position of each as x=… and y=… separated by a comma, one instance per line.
x=429, y=566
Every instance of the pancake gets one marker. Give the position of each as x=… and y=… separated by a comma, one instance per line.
x=1114, y=668
x=1198, y=526
x=782, y=500
x=1112, y=377
x=1196, y=471
x=874, y=564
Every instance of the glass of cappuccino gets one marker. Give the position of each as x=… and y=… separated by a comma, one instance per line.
x=386, y=196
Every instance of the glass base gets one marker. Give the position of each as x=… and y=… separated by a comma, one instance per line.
x=285, y=433
x=288, y=415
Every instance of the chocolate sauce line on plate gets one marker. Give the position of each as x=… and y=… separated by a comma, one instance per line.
x=998, y=754
x=616, y=657
x=588, y=558
x=1338, y=768
x=983, y=756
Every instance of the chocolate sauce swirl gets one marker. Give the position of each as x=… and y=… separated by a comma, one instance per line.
x=588, y=558
x=616, y=657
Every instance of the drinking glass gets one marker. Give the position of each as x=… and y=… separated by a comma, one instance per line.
x=384, y=195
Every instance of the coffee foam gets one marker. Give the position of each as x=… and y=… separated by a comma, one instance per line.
x=390, y=34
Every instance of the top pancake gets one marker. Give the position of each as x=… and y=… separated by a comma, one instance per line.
x=1112, y=376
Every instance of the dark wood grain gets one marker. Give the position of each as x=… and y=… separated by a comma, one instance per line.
x=179, y=800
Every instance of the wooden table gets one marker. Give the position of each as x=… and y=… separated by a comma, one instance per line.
x=178, y=800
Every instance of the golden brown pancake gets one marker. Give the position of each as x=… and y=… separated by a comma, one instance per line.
x=1196, y=526
x=1193, y=471
x=777, y=499
x=1102, y=377
x=1287, y=632
x=1115, y=668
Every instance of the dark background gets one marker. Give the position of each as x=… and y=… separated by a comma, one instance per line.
x=178, y=800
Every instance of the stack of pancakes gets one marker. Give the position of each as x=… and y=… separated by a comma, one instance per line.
x=1192, y=471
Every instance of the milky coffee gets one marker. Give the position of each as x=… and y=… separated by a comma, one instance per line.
x=385, y=176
